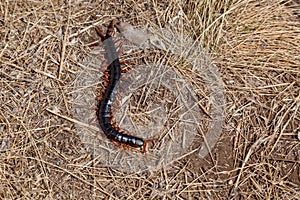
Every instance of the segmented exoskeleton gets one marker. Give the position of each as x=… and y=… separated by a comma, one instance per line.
x=104, y=114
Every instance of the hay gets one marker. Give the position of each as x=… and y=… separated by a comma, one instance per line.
x=254, y=44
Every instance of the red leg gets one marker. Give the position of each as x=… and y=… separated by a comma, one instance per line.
x=146, y=142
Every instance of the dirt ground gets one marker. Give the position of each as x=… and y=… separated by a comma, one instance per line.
x=254, y=45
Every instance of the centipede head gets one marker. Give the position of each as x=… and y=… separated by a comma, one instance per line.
x=108, y=33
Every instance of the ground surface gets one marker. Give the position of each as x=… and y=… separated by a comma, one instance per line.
x=254, y=44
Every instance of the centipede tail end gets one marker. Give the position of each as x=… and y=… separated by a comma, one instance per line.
x=146, y=142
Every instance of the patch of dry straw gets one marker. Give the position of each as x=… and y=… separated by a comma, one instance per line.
x=256, y=46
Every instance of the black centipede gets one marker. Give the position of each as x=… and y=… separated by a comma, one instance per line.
x=104, y=111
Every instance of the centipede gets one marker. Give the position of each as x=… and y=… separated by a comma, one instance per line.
x=112, y=79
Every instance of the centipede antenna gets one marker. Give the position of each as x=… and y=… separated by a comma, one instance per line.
x=100, y=33
x=110, y=28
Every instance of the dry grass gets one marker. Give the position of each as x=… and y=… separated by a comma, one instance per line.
x=256, y=46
